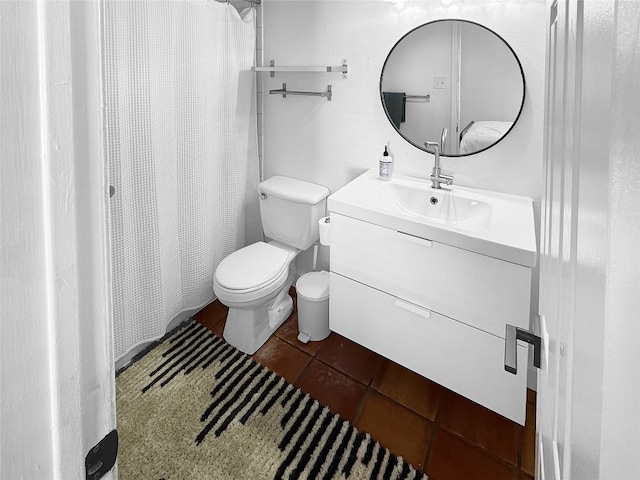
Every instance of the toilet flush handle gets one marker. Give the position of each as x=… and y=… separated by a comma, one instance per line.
x=263, y=196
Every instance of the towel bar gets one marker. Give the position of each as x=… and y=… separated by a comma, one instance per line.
x=426, y=97
x=284, y=92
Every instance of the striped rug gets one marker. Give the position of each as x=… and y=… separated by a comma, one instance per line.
x=194, y=407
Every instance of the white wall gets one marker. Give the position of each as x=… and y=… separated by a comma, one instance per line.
x=333, y=142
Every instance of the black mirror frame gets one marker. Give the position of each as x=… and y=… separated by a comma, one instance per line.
x=423, y=148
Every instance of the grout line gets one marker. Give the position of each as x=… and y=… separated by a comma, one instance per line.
x=436, y=424
x=360, y=406
x=519, y=446
x=375, y=371
x=333, y=367
x=306, y=367
x=302, y=371
x=484, y=451
x=472, y=444
x=436, y=417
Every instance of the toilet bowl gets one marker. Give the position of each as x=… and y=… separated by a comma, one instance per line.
x=254, y=283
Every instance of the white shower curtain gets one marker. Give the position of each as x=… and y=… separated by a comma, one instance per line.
x=182, y=155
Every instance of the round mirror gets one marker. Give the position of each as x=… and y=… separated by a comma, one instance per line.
x=453, y=82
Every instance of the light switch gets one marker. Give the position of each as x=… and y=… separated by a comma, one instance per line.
x=439, y=82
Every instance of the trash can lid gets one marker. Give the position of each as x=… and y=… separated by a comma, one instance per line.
x=313, y=285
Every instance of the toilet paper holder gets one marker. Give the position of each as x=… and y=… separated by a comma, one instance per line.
x=323, y=238
x=324, y=230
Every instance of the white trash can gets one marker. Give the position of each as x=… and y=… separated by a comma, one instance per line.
x=313, y=306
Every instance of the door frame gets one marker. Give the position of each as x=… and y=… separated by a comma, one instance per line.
x=57, y=330
x=592, y=428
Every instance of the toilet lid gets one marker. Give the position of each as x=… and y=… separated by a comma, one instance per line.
x=252, y=267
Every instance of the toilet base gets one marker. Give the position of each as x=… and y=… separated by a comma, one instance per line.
x=248, y=330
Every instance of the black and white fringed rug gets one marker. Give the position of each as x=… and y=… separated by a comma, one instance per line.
x=194, y=407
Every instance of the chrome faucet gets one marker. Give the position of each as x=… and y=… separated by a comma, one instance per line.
x=436, y=177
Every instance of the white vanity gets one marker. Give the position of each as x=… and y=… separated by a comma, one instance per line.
x=429, y=279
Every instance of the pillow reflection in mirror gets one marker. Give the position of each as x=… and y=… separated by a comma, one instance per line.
x=483, y=134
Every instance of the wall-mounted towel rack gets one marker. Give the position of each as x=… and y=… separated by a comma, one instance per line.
x=426, y=97
x=284, y=92
x=272, y=69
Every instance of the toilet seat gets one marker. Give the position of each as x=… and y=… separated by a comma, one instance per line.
x=252, y=272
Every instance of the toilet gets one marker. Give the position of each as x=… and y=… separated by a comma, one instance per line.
x=254, y=281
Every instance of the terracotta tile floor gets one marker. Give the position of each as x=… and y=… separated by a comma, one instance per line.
x=436, y=430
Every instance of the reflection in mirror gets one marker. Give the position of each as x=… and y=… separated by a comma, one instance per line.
x=453, y=82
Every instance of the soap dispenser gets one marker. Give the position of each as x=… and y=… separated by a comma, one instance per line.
x=384, y=169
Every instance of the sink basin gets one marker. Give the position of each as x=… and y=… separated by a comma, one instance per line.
x=443, y=206
x=481, y=221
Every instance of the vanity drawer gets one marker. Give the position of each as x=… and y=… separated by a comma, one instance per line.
x=457, y=356
x=481, y=291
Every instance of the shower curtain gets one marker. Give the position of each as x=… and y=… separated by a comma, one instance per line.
x=182, y=155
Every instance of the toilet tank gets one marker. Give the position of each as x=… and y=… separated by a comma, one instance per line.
x=290, y=210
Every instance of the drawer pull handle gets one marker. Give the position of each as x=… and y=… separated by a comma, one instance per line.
x=412, y=238
x=410, y=307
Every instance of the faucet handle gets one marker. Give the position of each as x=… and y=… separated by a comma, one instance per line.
x=448, y=179
x=435, y=145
